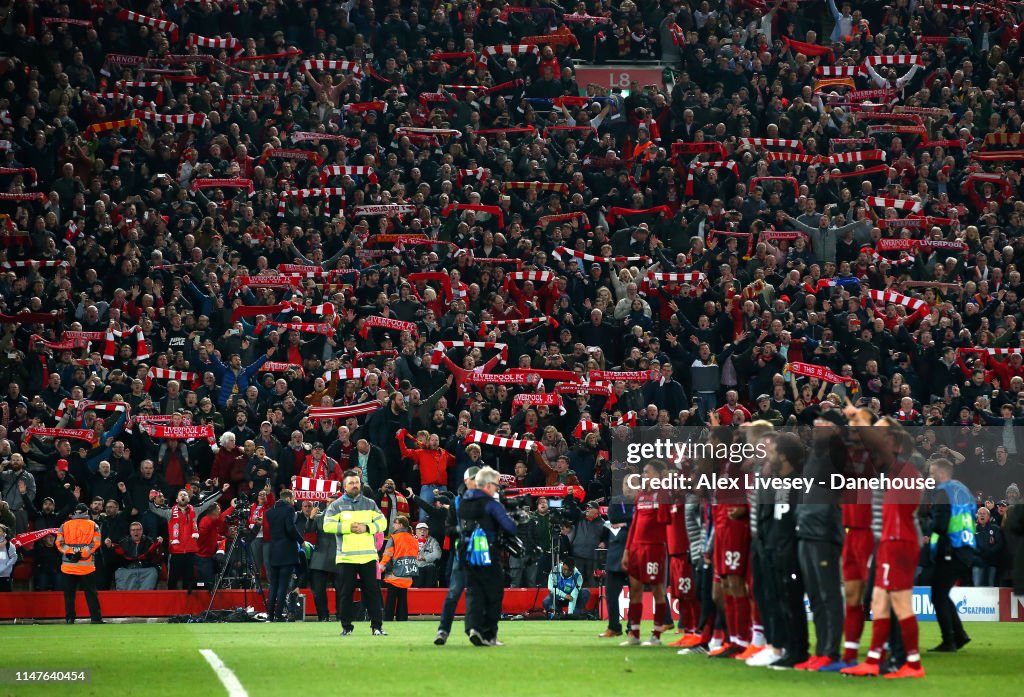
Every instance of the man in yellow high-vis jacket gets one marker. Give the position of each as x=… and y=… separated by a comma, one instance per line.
x=355, y=520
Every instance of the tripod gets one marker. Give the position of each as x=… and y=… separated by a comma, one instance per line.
x=536, y=605
x=251, y=570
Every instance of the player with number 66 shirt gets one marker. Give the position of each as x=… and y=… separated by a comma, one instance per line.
x=645, y=554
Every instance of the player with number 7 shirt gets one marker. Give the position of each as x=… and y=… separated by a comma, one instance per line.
x=645, y=554
x=898, y=552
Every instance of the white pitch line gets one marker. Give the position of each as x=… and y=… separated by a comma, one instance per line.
x=224, y=674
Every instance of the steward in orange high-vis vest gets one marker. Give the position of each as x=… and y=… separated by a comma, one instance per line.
x=77, y=541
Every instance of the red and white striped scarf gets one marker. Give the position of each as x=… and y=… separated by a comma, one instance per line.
x=773, y=156
x=627, y=419
x=527, y=322
x=177, y=119
x=346, y=374
x=583, y=427
x=546, y=220
x=301, y=194
x=320, y=328
x=480, y=173
x=488, y=439
x=897, y=203
x=441, y=347
x=534, y=276
x=509, y=50
x=114, y=335
x=847, y=157
x=560, y=251
x=560, y=187
x=168, y=374
x=310, y=489
x=363, y=355
x=161, y=25
x=889, y=296
x=34, y=263
x=216, y=42
x=347, y=170
x=677, y=277
x=348, y=66
x=346, y=412
x=716, y=164
x=900, y=59
x=303, y=136
x=773, y=143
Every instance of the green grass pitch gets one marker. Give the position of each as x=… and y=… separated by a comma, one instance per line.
x=539, y=658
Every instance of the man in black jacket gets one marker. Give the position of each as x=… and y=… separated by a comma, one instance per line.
x=616, y=530
x=787, y=459
x=481, y=511
x=285, y=539
x=820, y=535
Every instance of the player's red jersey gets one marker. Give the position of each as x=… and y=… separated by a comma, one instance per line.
x=727, y=498
x=676, y=536
x=857, y=511
x=899, y=506
x=650, y=514
x=857, y=516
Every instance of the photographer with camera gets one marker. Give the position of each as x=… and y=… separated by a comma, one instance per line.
x=566, y=591
x=482, y=518
x=285, y=541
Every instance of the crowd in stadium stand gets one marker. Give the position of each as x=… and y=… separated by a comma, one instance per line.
x=250, y=242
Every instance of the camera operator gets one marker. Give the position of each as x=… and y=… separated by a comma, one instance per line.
x=586, y=540
x=482, y=517
x=522, y=570
x=565, y=588
x=541, y=531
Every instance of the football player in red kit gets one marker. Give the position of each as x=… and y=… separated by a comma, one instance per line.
x=644, y=558
x=898, y=552
x=858, y=545
x=680, y=570
x=731, y=513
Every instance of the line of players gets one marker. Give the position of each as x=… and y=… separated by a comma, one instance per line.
x=751, y=568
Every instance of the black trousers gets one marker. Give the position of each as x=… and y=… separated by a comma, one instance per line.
x=396, y=604
x=704, y=575
x=823, y=580
x=88, y=585
x=485, y=589
x=180, y=571
x=320, y=581
x=614, y=581
x=794, y=617
x=277, y=594
x=369, y=588
x=766, y=592
x=947, y=571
